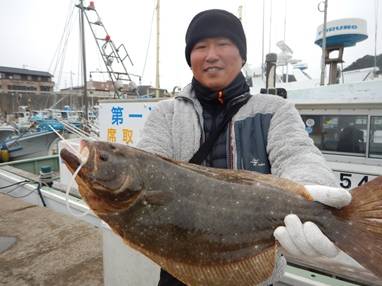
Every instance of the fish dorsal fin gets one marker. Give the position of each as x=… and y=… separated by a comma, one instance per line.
x=246, y=272
x=249, y=178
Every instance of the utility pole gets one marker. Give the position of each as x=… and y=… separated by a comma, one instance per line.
x=157, y=80
x=323, y=56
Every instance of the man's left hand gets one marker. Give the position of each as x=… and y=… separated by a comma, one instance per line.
x=307, y=239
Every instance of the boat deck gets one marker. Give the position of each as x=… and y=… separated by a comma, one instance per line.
x=41, y=247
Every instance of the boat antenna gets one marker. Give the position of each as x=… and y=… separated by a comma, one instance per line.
x=285, y=21
x=285, y=18
x=323, y=64
x=376, y=8
x=82, y=35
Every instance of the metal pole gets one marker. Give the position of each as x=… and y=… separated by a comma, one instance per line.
x=240, y=12
x=157, y=81
x=270, y=82
x=323, y=65
x=375, y=35
x=82, y=30
x=270, y=26
x=262, y=48
x=285, y=18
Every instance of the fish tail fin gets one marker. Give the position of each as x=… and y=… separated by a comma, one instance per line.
x=361, y=238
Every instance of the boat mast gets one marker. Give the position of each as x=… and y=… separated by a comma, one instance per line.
x=82, y=36
x=323, y=56
x=157, y=82
x=376, y=9
x=262, y=46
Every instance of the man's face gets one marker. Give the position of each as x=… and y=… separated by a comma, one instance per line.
x=215, y=62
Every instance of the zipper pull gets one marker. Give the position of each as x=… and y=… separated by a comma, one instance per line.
x=221, y=97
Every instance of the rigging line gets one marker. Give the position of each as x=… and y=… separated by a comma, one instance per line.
x=150, y=36
x=61, y=59
x=78, y=154
x=58, y=101
x=59, y=47
x=69, y=15
x=64, y=51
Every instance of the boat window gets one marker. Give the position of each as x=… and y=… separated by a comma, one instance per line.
x=338, y=133
x=375, y=137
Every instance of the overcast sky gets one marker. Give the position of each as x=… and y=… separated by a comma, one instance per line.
x=31, y=31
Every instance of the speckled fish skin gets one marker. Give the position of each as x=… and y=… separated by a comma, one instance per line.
x=207, y=226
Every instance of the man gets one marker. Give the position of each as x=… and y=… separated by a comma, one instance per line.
x=265, y=134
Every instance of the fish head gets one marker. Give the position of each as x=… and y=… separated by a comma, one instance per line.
x=109, y=178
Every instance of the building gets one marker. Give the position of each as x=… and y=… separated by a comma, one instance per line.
x=105, y=89
x=25, y=81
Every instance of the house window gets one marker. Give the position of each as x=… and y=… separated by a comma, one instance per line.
x=45, y=88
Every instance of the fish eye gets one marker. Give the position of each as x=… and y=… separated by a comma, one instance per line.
x=103, y=157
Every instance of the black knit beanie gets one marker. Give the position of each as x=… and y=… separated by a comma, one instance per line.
x=216, y=23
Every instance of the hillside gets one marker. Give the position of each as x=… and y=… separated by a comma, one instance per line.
x=365, y=62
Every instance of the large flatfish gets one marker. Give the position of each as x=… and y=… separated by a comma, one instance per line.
x=210, y=226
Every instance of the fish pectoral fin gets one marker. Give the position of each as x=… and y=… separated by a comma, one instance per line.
x=158, y=197
x=246, y=272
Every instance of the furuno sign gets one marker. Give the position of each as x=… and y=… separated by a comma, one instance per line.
x=342, y=32
x=339, y=28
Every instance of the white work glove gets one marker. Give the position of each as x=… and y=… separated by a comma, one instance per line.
x=307, y=239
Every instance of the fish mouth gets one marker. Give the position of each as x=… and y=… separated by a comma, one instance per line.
x=73, y=158
x=103, y=192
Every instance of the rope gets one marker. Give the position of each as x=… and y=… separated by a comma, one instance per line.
x=61, y=49
x=68, y=19
x=150, y=35
x=15, y=184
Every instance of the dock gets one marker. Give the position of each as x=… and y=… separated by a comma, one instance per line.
x=41, y=247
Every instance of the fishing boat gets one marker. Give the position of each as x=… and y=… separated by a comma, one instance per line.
x=6, y=130
x=30, y=144
x=33, y=134
x=343, y=117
